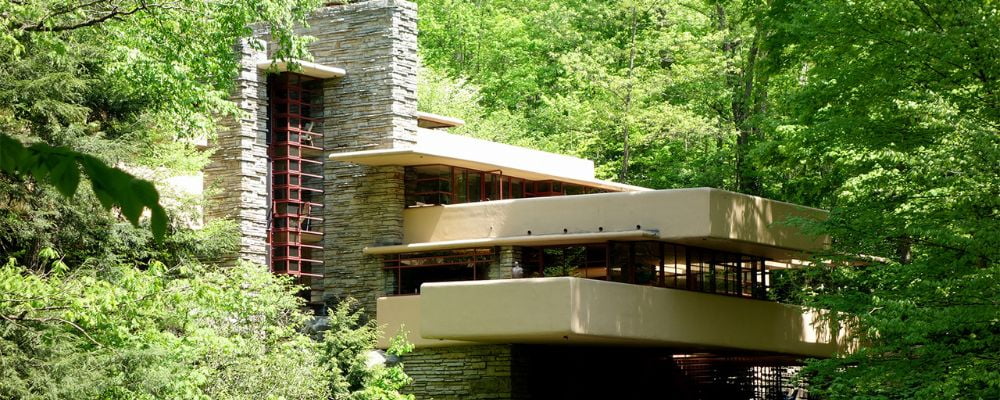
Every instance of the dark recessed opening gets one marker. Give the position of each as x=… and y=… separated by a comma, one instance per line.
x=565, y=230
x=638, y=227
x=600, y=229
x=529, y=232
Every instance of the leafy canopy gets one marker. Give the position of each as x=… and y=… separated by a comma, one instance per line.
x=887, y=113
x=109, y=81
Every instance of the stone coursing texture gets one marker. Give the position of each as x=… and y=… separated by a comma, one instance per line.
x=372, y=107
x=466, y=372
x=236, y=177
x=502, y=268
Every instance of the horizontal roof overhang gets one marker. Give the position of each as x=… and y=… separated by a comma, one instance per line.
x=431, y=121
x=527, y=240
x=304, y=67
x=421, y=156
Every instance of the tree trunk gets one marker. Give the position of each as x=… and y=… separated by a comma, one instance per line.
x=623, y=176
x=748, y=100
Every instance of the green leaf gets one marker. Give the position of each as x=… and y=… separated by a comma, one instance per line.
x=158, y=222
x=66, y=176
x=60, y=167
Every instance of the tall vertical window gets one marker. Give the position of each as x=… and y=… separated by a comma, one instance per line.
x=296, y=155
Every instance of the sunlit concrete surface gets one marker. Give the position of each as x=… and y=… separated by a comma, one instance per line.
x=701, y=217
x=402, y=314
x=434, y=121
x=304, y=67
x=437, y=147
x=581, y=311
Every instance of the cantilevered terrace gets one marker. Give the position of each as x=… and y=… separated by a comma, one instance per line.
x=686, y=268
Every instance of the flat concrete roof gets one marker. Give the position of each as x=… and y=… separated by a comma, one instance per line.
x=533, y=240
x=436, y=147
x=432, y=121
x=305, y=68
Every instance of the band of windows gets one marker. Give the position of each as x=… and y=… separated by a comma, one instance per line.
x=444, y=184
x=651, y=263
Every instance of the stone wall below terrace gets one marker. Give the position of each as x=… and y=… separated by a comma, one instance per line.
x=460, y=373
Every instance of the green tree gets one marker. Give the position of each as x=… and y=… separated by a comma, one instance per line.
x=191, y=331
x=884, y=112
x=658, y=93
x=92, y=306
x=88, y=84
x=894, y=124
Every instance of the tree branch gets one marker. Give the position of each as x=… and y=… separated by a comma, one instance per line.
x=115, y=13
x=78, y=328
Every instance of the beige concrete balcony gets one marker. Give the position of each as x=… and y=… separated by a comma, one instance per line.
x=575, y=311
x=702, y=217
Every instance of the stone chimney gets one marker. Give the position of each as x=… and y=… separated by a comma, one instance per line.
x=235, y=180
x=372, y=107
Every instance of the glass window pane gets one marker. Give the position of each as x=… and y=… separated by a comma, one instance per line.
x=461, y=189
x=474, y=182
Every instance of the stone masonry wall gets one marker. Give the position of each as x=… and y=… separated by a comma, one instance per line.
x=236, y=177
x=460, y=373
x=502, y=268
x=372, y=107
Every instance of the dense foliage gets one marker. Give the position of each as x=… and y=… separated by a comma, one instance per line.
x=93, y=303
x=887, y=113
x=658, y=93
x=192, y=332
x=899, y=118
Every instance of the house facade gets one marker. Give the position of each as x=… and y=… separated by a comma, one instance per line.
x=516, y=273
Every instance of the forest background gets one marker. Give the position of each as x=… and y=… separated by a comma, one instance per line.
x=884, y=112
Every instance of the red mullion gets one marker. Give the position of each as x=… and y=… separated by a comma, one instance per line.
x=296, y=244
x=299, y=231
x=290, y=115
x=300, y=173
x=287, y=191
x=299, y=186
x=292, y=87
x=279, y=267
x=299, y=131
x=290, y=128
x=292, y=215
x=293, y=158
x=287, y=161
x=297, y=202
x=298, y=144
x=289, y=101
x=299, y=259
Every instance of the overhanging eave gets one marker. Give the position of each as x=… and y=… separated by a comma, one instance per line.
x=413, y=157
x=527, y=240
